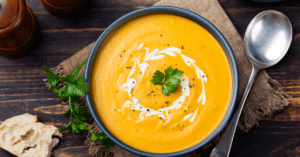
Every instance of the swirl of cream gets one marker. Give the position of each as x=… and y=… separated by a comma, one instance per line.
x=134, y=103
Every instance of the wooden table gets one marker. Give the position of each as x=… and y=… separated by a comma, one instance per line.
x=22, y=89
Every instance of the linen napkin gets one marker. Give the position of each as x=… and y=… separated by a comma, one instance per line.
x=265, y=97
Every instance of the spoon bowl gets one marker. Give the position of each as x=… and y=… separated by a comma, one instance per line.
x=267, y=38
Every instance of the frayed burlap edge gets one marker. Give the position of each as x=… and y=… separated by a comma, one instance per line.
x=268, y=101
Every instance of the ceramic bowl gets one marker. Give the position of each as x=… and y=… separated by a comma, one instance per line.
x=179, y=12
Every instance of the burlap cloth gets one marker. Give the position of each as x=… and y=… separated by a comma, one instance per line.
x=266, y=95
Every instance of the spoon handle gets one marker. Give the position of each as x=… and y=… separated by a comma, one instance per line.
x=223, y=148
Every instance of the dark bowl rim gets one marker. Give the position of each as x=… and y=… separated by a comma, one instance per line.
x=208, y=26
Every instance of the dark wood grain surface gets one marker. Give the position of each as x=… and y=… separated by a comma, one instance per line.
x=22, y=89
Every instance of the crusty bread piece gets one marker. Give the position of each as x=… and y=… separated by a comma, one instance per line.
x=23, y=136
x=24, y=118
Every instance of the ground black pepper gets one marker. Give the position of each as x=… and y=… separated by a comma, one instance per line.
x=150, y=92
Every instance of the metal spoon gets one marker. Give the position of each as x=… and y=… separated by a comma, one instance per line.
x=267, y=40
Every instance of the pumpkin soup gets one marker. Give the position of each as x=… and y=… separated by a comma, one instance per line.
x=139, y=113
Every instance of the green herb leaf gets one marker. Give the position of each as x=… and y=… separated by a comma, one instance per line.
x=174, y=76
x=168, y=87
x=52, y=78
x=97, y=136
x=68, y=114
x=81, y=114
x=171, y=79
x=107, y=143
x=80, y=80
x=68, y=127
x=168, y=72
x=100, y=136
x=158, y=78
x=75, y=87
x=79, y=127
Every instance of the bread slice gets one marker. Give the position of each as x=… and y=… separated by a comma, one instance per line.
x=23, y=136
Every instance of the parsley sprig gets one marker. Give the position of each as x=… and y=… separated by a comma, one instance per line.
x=168, y=80
x=75, y=87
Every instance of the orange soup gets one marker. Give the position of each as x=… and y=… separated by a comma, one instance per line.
x=135, y=110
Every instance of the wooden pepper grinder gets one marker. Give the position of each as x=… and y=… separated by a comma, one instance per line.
x=17, y=28
x=63, y=8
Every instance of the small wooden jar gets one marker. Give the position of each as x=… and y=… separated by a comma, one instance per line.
x=63, y=8
x=17, y=28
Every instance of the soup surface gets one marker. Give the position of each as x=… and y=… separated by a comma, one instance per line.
x=135, y=110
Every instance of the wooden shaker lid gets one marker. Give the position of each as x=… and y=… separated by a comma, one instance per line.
x=8, y=12
x=17, y=28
